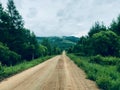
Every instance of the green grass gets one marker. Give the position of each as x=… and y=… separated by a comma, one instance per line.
x=107, y=76
x=9, y=71
x=109, y=60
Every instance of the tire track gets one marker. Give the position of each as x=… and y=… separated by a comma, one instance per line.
x=58, y=73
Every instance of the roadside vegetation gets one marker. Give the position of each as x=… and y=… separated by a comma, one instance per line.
x=18, y=43
x=6, y=71
x=106, y=75
x=98, y=54
x=19, y=47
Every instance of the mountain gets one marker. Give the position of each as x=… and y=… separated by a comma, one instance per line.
x=62, y=42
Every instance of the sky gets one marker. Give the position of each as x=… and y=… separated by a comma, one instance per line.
x=65, y=17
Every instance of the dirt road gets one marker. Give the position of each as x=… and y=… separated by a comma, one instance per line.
x=58, y=73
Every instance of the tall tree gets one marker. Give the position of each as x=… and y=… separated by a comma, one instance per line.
x=15, y=17
x=1, y=8
x=18, y=42
x=97, y=27
x=46, y=43
x=4, y=25
x=106, y=43
x=115, y=26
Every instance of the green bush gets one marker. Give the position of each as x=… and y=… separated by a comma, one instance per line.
x=6, y=71
x=104, y=60
x=104, y=82
x=14, y=58
x=118, y=67
x=8, y=57
x=105, y=74
x=1, y=69
x=96, y=59
x=115, y=84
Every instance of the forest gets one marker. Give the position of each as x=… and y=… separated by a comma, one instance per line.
x=100, y=40
x=97, y=53
x=18, y=43
x=62, y=43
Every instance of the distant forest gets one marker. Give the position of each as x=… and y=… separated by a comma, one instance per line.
x=62, y=43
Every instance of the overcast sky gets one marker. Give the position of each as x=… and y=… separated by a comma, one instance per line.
x=65, y=17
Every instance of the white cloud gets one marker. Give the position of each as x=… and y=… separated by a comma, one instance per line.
x=65, y=17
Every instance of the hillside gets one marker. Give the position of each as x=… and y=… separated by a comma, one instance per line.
x=62, y=42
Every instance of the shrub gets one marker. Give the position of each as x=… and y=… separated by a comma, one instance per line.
x=6, y=71
x=104, y=60
x=1, y=70
x=105, y=74
x=115, y=84
x=118, y=67
x=104, y=82
x=8, y=57
x=96, y=59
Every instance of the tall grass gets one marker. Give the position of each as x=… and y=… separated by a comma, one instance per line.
x=11, y=70
x=107, y=76
x=104, y=60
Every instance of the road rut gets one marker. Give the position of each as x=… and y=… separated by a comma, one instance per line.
x=58, y=73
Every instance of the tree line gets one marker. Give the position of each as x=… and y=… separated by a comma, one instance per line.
x=100, y=40
x=17, y=43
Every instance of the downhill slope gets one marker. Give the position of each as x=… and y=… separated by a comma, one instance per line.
x=58, y=73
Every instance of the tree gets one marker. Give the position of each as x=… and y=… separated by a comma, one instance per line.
x=15, y=17
x=83, y=47
x=14, y=35
x=8, y=57
x=115, y=26
x=55, y=50
x=34, y=46
x=18, y=42
x=46, y=43
x=106, y=43
x=4, y=25
x=80, y=45
x=43, y=50
x=96, y=28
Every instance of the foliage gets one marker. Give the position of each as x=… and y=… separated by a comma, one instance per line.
x=19, y=40
x=47, y=44
x=43, y=50
x=62, y=43
x=15, y=17
x=104, y=60
x=106, y=77
x=100, y=40
x=8, y=57
x=6, y=71
x=115, y=26
x=103, y=43
x=97, y=27
x=83, y=47
x=118, y=67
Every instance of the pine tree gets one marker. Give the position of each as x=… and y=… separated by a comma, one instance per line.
x=15, y=17
x=4, y=25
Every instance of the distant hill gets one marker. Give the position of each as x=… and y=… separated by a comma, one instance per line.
x=62, y=42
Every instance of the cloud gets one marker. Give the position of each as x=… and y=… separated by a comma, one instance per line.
x=65, y=17
x=33, y=13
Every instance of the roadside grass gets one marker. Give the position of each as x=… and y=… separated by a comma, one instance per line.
x=12, y=70
x=109, y=60
x=106, y=76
